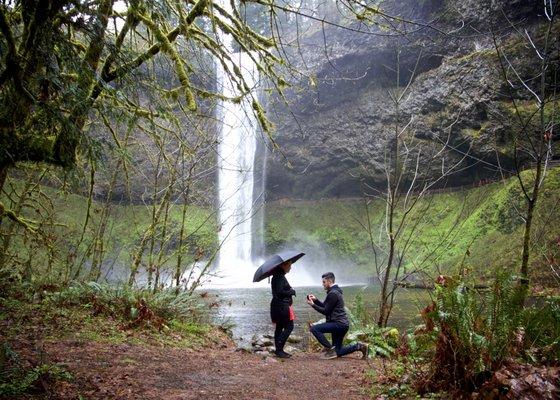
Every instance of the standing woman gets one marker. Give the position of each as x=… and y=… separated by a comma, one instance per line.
x=281, y=311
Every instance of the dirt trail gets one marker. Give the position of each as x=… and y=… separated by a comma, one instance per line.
x=105, y=371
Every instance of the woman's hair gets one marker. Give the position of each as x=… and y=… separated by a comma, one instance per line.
x=328, y=275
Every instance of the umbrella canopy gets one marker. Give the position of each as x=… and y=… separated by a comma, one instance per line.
x=268, y=267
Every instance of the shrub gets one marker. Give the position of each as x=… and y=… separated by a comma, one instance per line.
x=476, y=332
x=133, y=306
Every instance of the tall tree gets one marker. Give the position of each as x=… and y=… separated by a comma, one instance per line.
x=532, y=112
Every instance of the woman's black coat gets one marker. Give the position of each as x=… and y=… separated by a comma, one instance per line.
x=282, y=294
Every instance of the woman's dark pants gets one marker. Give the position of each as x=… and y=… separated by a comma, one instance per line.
x=281, y=334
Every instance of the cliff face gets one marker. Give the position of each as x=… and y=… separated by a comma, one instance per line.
x=336, y=128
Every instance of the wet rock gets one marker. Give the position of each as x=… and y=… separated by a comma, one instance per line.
x=261, y=342
x=295, y=339
x=270, y=349
x=244, y=349
x=291, y=349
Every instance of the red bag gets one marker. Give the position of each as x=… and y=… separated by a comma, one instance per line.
x=292, y=314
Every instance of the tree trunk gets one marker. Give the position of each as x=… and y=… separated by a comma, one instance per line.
x=524, y=270
x=383, y=306
x=3, y=175
x=182, y=232
x=11, y=225
x=531, y=204
x=180, y=251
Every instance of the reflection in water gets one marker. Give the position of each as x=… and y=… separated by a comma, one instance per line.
x=248, y=309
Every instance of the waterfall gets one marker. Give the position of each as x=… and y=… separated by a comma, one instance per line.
x=236, y=176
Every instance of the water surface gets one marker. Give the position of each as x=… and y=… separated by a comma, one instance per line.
x=248, y=309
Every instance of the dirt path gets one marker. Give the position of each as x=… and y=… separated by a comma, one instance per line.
x=104, y=371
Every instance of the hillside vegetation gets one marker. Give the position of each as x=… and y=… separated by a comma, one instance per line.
x=478, y=228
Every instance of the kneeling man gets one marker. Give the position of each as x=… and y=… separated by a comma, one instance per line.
x=336, y=321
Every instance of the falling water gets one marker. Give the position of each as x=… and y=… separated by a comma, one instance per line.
x=241, y=182
x=236, y=153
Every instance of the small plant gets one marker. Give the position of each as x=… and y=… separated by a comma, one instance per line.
x=541, y=324
x=382, y=341
x=15, y=379
x=419, y=345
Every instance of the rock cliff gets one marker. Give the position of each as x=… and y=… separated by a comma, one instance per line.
x=339, y=121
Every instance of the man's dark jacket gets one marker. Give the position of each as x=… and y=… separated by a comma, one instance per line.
x=282, y=294
x=333, y=306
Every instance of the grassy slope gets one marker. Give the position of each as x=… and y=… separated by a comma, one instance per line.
x=478, y=227
x=55, y=322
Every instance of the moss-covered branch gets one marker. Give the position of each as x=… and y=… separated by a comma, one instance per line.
x=11, y=53
x=27, y=224
x=175, y=57
x=130, y=22
x=171, y=36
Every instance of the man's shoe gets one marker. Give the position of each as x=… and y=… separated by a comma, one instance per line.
x=364, y=349
x=330, y=354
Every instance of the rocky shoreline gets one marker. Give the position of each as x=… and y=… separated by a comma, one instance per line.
x=263, y=345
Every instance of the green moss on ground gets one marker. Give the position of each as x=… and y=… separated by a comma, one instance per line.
x=479, y=228
x=129, y=222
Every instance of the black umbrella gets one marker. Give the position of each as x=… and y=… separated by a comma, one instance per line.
x=267, y=269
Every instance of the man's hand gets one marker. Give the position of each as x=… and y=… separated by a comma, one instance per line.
x=310, y=299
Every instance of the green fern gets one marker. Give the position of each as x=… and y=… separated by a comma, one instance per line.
x=382, y=341
x=476, y=328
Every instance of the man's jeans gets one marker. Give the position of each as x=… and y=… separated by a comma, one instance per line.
x=337, y=332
